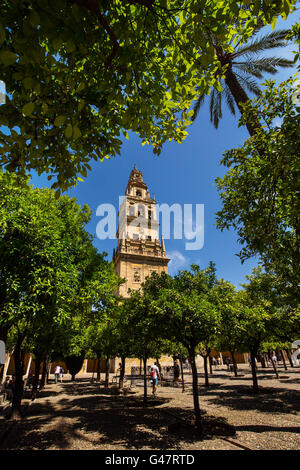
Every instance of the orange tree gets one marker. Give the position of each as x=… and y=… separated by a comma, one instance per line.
x=44, y=252
x=186, y=314
x=97, y=68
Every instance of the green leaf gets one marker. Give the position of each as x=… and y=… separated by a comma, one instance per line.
x=2, y=34
x=70, y=46
x=28, y=109
x=81, y=105
x=59, y=121
x=34, y=18
x=57, y=43
x=273, y=23
x=80, y=87
x=27, y=82
x=8, y=58
x=76, y=133
x=68, y=131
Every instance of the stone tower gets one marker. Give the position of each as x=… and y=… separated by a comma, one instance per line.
x=139, y=251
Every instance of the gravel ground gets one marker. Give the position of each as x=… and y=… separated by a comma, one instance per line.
x=83, y=415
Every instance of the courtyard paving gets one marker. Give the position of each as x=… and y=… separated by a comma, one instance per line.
x=84, y=415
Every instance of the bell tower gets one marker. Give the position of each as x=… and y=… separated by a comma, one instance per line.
x=139, y=251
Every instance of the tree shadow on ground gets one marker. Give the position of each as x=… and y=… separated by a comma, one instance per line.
x=291, y=381
x=268, y=400
x=266, y=428
x=110, y=422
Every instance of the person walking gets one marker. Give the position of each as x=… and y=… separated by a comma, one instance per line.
x=56, y=373
x=274, y=357
x=155, y=374
x=61, y=374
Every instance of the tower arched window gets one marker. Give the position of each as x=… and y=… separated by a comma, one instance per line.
x=132, y=210
x=141, y=210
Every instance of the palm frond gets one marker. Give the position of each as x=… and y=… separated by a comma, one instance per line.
x=248, y=69
x=247, y=65
x=264, y=64
x=229, y=100
x=249, y=84
x=198, y=105
x=269, y=41
x=215, y=107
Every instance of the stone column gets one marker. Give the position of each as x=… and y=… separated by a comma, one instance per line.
x=6, y=366
x=28, y=365
x=221, y=357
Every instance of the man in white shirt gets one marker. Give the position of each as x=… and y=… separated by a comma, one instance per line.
x=56, y=373
x=154, y=375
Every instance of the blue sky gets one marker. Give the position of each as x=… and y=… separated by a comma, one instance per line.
x=183, y=173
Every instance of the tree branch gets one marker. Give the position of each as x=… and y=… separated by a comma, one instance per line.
x=93, y=6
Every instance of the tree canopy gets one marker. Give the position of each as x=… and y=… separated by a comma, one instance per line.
x=50, y=273
x=244, y=66
x=260, y=192
x=79, y=72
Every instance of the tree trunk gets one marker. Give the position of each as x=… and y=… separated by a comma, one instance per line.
x=94, y=364
x=182, y=375
x=198, y=420
x=289, y=357
x=74, y=364
x=19, y=384
x=283, y=360
x=274, y=365
x=263, y=361
x=253, y=369
x=206, y=371
x=106, y=372
x=44, y=373
x=210, y=365
x=145, y=380
x=98, y=368
x=234, y=363
x=240, y=96
x=122, y=372
x=36, y=376
x=48, y=372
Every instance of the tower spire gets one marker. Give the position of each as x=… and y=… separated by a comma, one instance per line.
x=163, y=249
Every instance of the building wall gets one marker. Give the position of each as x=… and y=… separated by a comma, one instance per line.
x=164, y=362
x=128, y=270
